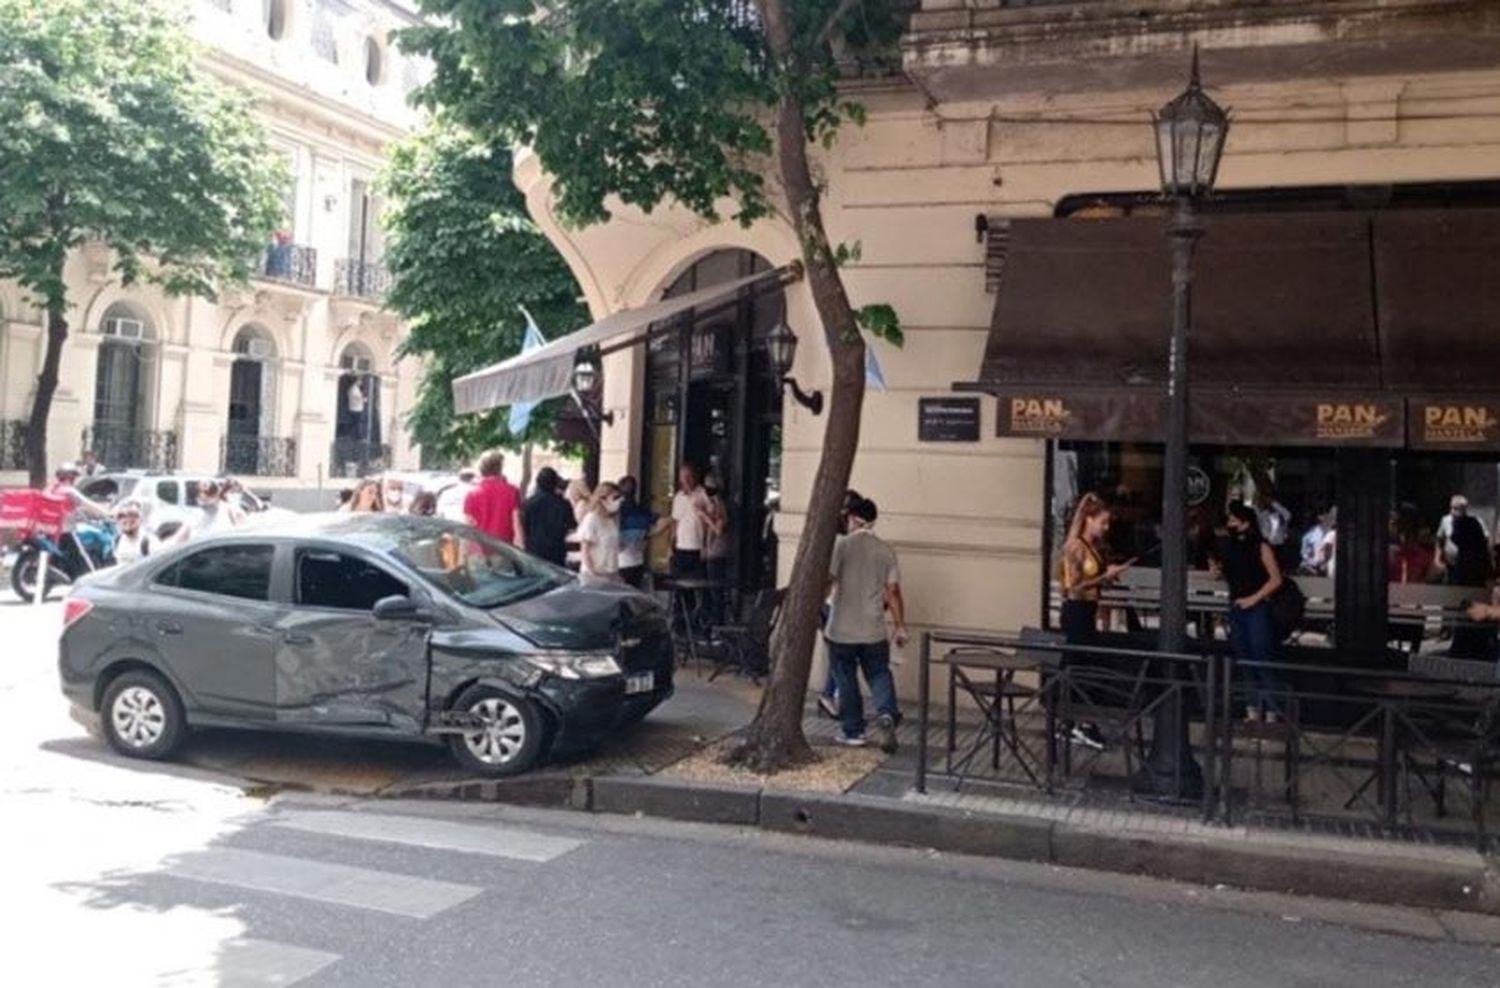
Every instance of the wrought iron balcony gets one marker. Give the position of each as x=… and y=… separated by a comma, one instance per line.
x=360, y=279
x=13, y=444
x=119, y=447
x=358, y=458
x=291, y=263
x=259, y=456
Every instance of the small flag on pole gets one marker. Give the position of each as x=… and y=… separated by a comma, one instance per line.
x=874, y=376
x=520, y=412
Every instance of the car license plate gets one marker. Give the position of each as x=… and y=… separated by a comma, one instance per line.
x=640, y=682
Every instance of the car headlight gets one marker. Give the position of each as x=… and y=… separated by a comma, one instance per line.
x=586, y=665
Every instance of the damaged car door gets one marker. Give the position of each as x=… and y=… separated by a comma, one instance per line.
x=336, y=663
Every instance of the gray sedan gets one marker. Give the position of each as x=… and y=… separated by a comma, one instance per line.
x=369, y=625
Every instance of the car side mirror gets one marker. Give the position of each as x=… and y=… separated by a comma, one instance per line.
x=399, y=607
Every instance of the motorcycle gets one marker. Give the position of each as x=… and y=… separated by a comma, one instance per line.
x=90, y=546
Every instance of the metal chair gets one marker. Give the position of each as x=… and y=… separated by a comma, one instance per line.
x=750, y=643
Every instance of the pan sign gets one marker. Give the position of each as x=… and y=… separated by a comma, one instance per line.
x=948, y=420
x=1454, y=424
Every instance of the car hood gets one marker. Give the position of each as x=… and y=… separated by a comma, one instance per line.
x=578, y=617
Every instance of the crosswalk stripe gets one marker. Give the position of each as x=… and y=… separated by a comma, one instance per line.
x=443, y=835
x=403, y=895
x=249, y=963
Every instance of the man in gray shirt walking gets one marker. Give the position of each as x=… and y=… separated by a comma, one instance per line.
x=866, y=582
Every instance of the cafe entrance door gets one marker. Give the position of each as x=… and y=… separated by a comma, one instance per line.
x=712, y=400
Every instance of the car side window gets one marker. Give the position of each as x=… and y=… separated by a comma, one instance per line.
x=166, y=491
x=347, y=583
x=242, y=571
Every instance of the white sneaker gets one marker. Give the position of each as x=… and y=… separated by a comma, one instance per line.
x=852, y=740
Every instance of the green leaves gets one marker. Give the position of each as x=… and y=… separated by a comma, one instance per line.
x=463, y=256
x=641, y=100
x=110, y=133
x=881, y=322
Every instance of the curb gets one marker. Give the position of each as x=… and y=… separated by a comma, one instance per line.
x=874, y=820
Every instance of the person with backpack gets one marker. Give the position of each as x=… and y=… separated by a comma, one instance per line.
x=132, y=542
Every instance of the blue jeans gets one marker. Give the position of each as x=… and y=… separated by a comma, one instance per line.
x=1252, y=637
x=874, y=660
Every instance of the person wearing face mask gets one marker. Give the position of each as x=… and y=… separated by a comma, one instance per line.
x=599, y=537
x=1247, y=563
x=132, y=543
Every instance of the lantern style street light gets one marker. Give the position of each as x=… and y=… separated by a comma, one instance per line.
x=782, y=343
x=585, y=384
x=1190, y=133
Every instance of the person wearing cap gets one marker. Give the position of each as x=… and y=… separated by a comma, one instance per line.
x=866, y=582
x=132, y=542
x=1446, y=552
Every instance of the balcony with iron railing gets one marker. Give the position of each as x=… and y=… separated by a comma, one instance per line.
x=13, y=444
x=123, y=448
x=258, y=456
x=292, y=264
x=360, y=279
x=358, y=458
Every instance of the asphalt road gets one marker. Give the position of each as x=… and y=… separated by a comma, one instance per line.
x=138, y=874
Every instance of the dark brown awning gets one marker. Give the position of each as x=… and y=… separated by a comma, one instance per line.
x=1279, y=300
x=1330, y=328
x=1438, y=289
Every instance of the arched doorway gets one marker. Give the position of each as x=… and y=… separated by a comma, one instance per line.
x=123, y=382
x=713, y=400
x=358, y=447
x=252, y=380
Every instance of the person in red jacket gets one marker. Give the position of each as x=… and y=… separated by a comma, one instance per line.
x=494, y=506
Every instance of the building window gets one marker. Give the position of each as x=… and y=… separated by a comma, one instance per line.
x=325, y=30
x=276, y=16
x=374, y=62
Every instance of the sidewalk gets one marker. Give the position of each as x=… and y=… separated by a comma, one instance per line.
x=642, y=774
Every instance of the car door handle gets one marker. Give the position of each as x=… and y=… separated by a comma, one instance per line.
x=294, y=638
x=169, y=627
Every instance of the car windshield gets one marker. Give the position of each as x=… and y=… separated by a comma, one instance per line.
x=475, y=568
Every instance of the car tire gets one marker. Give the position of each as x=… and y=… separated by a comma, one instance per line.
x=141, y=715
x=513, y=741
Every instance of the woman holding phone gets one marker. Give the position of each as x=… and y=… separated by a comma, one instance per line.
x=1085, y=574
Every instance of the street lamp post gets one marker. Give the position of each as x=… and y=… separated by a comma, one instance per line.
x=1190, y=132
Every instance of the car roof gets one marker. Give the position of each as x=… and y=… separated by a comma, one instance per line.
x=378, y=532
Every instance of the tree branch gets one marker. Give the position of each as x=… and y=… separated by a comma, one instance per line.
x=832, y=24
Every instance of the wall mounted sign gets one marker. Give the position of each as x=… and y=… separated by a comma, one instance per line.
x=708, y=351
x=1446, y=424
x=1297, y=421
x=1113, y=415
x=948, y=420
x=1198, y=486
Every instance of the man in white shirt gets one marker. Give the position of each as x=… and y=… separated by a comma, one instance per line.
x=690, y=510
x=450, y=500
x=1446, y=554
x=133, y=543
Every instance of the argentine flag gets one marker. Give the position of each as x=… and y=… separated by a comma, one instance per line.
x=874, y=376
x=520, y=412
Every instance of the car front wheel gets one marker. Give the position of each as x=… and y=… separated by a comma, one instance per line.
x=510, y=738
x=141, y=715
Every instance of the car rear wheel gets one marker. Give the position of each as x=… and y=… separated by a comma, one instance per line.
x=142, y=716
x=511, y=738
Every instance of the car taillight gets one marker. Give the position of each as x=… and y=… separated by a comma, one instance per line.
x=74, y=608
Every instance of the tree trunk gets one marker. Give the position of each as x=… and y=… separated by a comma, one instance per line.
x=46, y=388
x=775, y=739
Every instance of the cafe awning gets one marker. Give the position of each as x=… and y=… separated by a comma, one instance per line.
x=547, y=371
x=1316, y=328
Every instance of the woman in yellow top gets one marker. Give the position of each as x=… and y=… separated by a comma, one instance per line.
x=1084, y=570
